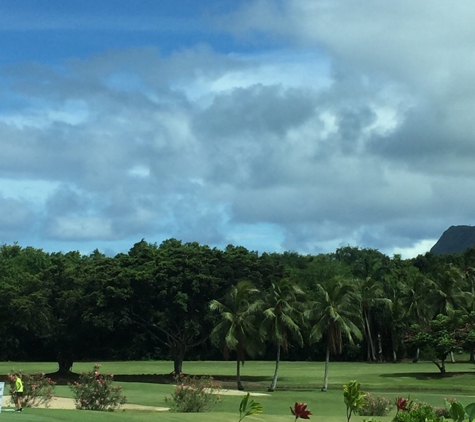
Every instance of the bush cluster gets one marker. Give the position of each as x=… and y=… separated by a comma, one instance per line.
x=194, y=394
x=419, y=412
x=375, y=406
x=94, y=391
x=38, y=389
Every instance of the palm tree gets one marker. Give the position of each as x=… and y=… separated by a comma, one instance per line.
x=415, y=300
x=238, y=326
x=280, y=318
x=336, y=313
x=372, y=295
x=447, y=292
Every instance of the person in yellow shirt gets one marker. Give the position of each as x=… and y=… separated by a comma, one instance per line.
x=18, y=392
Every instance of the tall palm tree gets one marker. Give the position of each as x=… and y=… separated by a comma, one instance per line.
x=281, y=318
x=372, y=295
x=335, y=313
x=237, y=328
x=416, y=300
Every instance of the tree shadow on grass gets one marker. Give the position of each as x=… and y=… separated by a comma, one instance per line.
x=227, y=381
x=426, y=375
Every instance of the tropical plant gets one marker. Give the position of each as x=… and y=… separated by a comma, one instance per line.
x=237, y=328
x=334, y=314
x=300, y=411
x=249, y=407
x=281, y=318
x=353, y=398
x=419, y=412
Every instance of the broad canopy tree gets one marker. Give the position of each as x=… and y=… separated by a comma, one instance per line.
x=173, y=287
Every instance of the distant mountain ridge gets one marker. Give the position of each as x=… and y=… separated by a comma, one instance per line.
x=456, y=239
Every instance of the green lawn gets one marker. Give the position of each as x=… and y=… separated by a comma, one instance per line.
x=298, y=381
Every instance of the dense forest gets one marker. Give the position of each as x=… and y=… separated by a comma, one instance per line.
x=186, y=301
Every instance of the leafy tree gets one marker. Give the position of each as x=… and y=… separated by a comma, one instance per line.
x=439, y=338
x=335, y=314
x=173, y=285
x=65, y=279
x=25, y=309
x=237, y=328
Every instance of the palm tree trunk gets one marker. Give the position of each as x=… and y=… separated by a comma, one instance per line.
x=274, y=380
x=325, y=376
x=370, y=337
x=416, y=358
x=238, y=375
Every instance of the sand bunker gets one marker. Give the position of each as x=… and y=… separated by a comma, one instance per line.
x=224, y=392
x=66, y=403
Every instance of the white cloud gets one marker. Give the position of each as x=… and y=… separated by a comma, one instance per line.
x=419, y=248
x=354, y=126
x=81, y=228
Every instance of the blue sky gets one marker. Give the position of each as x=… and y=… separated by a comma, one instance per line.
x=300, y=125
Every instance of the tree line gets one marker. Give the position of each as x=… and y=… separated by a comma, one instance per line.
x=184, y=301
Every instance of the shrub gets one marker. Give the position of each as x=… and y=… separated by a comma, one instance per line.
x=194, y=394
x=37, y=389
x=419, y=412
x=443, y=411
x=94, y=391
x=375, y=406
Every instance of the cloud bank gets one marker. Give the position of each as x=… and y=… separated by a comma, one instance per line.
x=353, y=125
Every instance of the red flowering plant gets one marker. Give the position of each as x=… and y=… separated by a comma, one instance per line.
x=300, y=411
x=403, y=404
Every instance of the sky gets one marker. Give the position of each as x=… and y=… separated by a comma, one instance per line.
x=277, y=125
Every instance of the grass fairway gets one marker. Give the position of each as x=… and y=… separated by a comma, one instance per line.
x=298, y=381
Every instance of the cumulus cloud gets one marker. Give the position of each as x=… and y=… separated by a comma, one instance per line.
x=355, y=129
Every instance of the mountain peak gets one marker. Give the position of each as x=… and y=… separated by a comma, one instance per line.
x=456, y=239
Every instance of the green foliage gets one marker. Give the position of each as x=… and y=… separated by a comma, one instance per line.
x=419, y=412
x=194, y=394
x=440, y=338
x=457, y=411
x=38, y=389
x=353, y=398
x=249, y=407
x=237, y=327
x=375, y=406
x=94, y=391
x=470, y=411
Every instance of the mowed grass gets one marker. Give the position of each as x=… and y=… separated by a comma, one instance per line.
x=298, y=382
